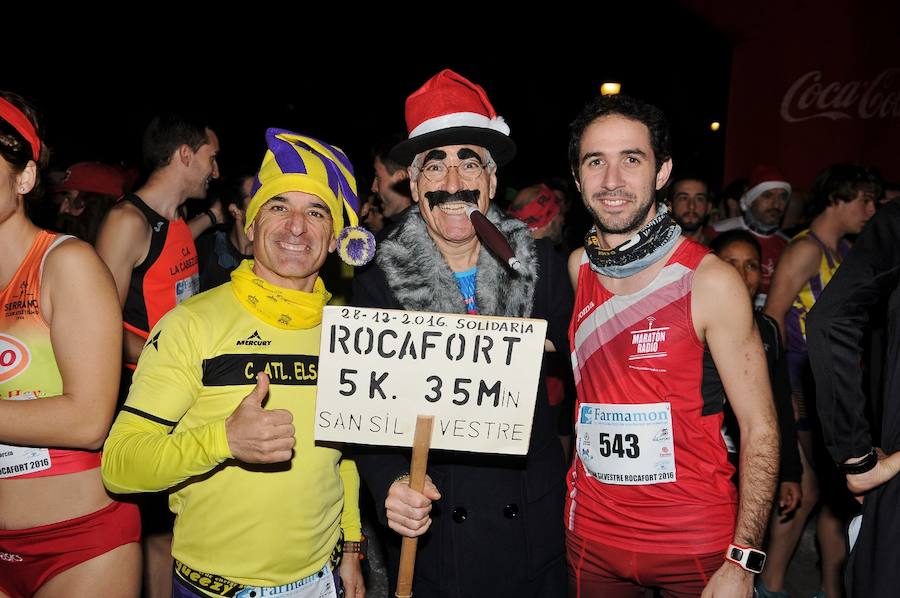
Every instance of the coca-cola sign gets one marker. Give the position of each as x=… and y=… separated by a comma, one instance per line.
x=809, y=97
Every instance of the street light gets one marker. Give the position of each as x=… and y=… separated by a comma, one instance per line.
x=610, y=88
x=714, y=126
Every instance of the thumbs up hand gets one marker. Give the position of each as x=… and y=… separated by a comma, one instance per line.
x=257, y=435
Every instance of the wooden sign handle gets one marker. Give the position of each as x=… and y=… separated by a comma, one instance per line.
x=421, y=444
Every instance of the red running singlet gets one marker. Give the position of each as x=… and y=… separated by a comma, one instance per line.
x=643, y=425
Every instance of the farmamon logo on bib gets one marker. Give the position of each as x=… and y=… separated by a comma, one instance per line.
x=14, y=357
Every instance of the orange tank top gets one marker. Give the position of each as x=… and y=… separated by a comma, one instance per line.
x=28, y=368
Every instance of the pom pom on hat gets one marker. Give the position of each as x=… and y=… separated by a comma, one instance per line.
x=356, y=245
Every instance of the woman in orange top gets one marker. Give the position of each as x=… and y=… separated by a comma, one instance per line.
x=61, y=534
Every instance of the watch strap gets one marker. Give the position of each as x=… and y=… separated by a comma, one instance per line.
x=741, y=556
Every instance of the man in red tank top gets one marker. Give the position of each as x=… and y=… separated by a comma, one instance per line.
x=144, y=240
x=149, y=248
x=650, y=501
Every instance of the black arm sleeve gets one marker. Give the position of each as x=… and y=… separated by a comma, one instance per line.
x=835, y=328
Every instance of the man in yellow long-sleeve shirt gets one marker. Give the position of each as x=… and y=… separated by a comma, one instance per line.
x=260, y=508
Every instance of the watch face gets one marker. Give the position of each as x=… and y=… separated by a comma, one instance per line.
x=756, y=560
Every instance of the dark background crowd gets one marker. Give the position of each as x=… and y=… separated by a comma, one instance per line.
x=682, y=61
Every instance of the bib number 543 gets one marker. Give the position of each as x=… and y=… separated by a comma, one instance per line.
x=622, y=445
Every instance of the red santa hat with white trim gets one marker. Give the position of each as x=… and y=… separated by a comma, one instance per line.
x=451, y=110
x=762, y=179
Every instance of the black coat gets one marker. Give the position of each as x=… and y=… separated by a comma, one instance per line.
x=869, y=278
x=498, y=528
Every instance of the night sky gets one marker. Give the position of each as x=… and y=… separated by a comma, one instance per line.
x=538, y=78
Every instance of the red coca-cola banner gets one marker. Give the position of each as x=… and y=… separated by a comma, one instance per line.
x=811, y=84
x=810, y=97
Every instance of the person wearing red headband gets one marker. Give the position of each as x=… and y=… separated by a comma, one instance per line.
x=539, y=208
x=61, y=534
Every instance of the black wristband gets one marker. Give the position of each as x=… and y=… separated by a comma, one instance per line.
x=867, y=463
x=212, y=217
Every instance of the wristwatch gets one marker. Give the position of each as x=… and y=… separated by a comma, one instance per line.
x=747, y=558
x=359, y=548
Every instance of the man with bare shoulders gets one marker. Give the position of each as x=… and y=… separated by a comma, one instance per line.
x=650, y=501
x=866, y=282
x=60, y=532
x=144, y=240
x=842, y=198
x=150, y=251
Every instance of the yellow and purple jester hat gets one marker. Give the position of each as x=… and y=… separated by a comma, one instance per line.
x=296, y=162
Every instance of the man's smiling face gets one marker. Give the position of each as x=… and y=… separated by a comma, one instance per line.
x=444, y=181
x=292, y=235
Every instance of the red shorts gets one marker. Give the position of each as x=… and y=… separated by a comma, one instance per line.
x=30, y=557
x=600, y=570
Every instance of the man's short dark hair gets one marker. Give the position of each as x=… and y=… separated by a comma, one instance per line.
x=630, y=108
x=686, y=175
x=842, y=182
x=168, y=132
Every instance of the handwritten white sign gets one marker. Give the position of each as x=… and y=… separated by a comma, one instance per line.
x=380, y=368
